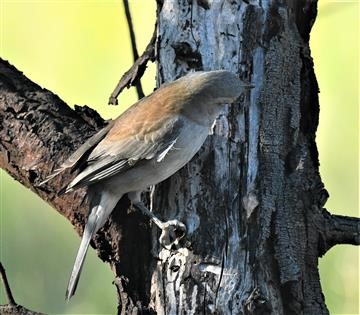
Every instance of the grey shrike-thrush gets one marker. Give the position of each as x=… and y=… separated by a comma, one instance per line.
x=148, y=143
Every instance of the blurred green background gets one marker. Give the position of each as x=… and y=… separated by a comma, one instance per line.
x=78, y=49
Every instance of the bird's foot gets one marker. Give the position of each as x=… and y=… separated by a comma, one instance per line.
x=172, y=232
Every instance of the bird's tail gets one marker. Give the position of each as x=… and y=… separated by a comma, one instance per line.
x=101, y=206
x=89, y=231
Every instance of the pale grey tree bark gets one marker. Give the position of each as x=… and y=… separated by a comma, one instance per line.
x=252, y=198
x=248, y=195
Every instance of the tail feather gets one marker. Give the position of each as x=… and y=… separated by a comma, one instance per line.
x=101, y=205
x=89, y=231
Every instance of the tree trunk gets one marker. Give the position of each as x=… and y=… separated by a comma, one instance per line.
x=252, y=198
x=248, y=197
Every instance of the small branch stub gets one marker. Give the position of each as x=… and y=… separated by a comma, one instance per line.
x=338, y=229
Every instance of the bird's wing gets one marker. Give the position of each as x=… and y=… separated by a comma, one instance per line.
x=117, y=152
x=80, y=153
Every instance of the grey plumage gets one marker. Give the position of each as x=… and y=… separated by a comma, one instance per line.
x=145, y=145
x=125, y=154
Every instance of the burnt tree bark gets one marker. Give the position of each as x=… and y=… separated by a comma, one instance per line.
x=252, y=198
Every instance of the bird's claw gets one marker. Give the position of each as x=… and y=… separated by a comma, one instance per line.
x=171, y=233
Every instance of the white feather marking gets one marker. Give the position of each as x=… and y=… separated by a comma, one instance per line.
x=163, y=154
x=108, y=171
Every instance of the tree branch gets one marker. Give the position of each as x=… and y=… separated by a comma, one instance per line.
x=38, y=132
x=8, y=292
x=338, y=229
x=134, y=74
x=12, y=308
x=138, y=86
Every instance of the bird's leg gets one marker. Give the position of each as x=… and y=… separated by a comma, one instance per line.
x=171, y=231
x=149, y=213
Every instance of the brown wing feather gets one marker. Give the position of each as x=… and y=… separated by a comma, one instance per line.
x=75, y=158
x=141, y=132
x=108, y=159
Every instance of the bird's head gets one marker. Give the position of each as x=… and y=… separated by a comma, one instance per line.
x=206, y=92
x=219, y=86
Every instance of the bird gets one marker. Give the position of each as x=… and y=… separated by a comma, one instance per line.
x=145, y=145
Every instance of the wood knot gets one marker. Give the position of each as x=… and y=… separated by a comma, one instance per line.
x=185, y=53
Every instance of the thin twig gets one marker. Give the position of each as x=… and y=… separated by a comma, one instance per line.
x=138, y=85
x=9, y=295
x=133, y=75
x=12, y=308
x=131, y=29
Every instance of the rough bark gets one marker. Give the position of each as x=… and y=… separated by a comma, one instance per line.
x=252, y=198
x=39, y=131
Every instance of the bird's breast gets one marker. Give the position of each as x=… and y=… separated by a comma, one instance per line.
x=188, y=143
